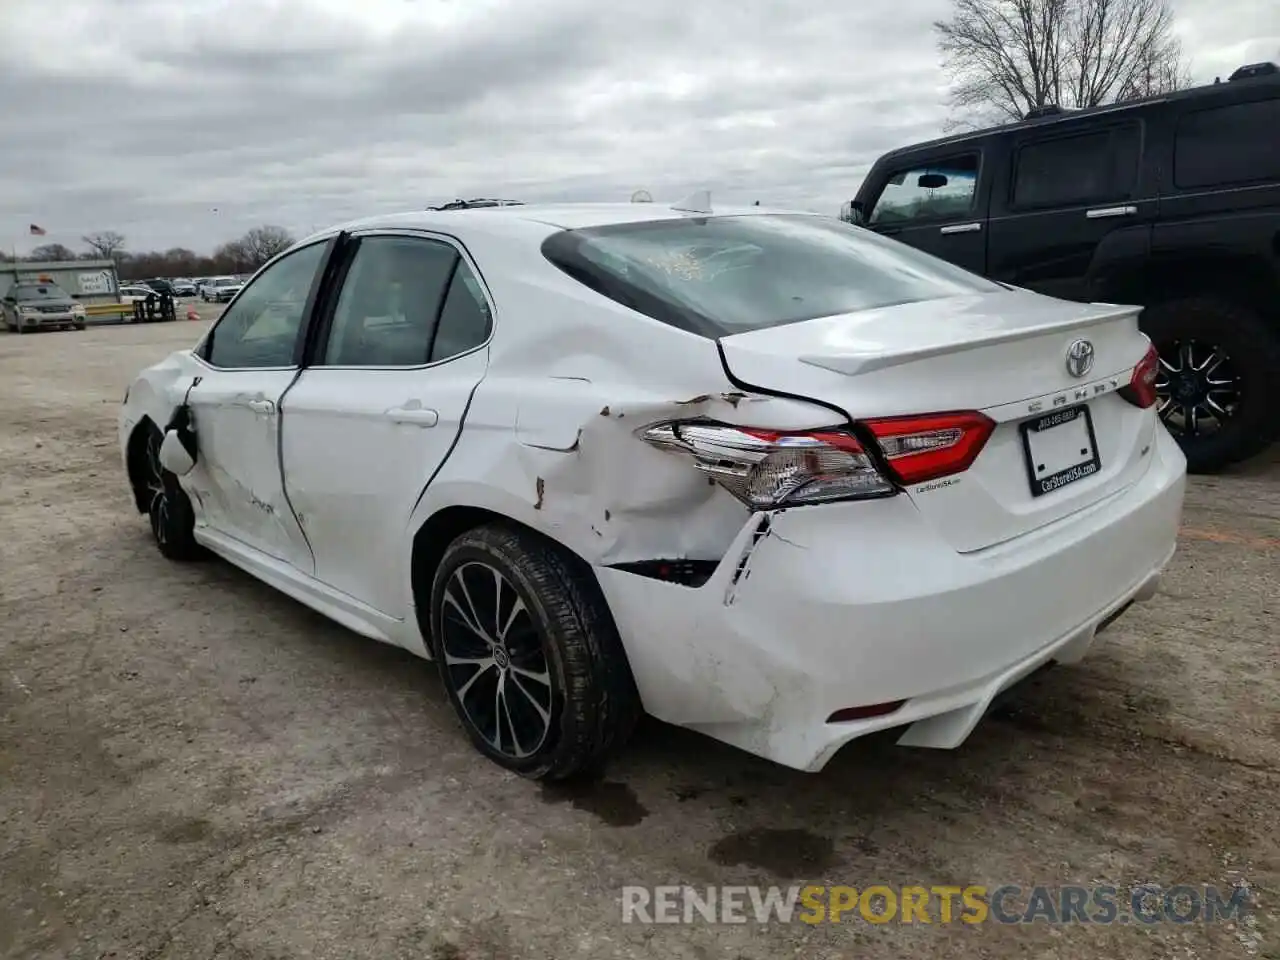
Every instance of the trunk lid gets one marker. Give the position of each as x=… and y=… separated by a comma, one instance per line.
x=1002, y=353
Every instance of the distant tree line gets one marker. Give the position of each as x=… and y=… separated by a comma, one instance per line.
x=242, y=255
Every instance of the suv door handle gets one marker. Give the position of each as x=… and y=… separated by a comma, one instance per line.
x=260, y=406
x=961, y=228
x=414, y=416
x=1100, y=213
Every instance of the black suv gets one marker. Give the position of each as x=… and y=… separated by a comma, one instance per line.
x=1171, y=202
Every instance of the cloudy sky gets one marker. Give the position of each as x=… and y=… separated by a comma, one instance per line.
x=184, y=122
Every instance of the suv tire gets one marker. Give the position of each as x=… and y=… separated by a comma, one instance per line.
x=1191, y=332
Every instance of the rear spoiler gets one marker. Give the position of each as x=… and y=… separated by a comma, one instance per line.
x=855, y=362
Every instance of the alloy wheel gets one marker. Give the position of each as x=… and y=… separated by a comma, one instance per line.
x=1197, y=388
x=495, y=660
x=158, y=509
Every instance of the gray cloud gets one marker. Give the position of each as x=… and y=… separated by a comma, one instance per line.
x=186, y=123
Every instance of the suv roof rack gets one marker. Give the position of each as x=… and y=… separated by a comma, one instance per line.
x=1251, y=70
x=1048, y=110
x=478, y=202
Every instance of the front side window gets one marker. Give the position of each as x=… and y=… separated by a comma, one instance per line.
x=933, y=191
x=389, y=302
x=717, y=276
x=260, y=329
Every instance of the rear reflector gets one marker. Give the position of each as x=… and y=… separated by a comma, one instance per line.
x=865, y=712
x=1141, y=389
x=936, y=445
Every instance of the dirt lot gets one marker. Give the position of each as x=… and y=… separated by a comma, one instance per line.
x=192, y=766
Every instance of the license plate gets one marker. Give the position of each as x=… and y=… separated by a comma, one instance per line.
x=1060, y=449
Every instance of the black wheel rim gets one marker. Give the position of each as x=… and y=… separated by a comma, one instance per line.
x=158, y=509
x=1197, y=389
x=495, y=661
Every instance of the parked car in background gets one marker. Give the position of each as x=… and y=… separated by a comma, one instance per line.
x=220, y=289
x=183, y=287
x=1172, y=203
x=159, y=285
x=132, y=292
x=765, y=475
x=31, y=305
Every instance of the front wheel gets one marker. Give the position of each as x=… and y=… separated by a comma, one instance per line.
x=1218, y=388
x=168, y=506
x=529, y=654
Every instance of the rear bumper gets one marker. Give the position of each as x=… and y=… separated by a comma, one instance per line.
x=864, y=603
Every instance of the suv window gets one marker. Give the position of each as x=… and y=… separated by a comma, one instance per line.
x=261, y=327
x=932, y=191
x=1076, y=170
x=1223, y=145
x=464, y=319
x=389, y=302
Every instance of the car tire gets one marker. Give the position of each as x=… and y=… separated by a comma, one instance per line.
x=1192, y=332
x=551, y=695
x=169, y=508
x=79, y=326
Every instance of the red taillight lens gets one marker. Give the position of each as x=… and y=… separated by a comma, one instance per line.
x=932, y=446
x=767, y=469
x=1141, y=389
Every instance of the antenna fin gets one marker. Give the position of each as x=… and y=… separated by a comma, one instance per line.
x=697, y=202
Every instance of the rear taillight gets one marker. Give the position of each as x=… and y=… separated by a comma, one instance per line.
x=929, y=447
x=1141, y=389
x=767, y=469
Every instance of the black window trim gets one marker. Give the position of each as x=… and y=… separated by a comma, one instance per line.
x=916, y=164
x=330, y=242
x=324, y=317
x=1113, y=195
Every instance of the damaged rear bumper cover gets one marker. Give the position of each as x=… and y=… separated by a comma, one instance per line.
x=799, y=621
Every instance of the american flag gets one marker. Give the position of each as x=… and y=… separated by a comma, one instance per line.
x=37, y=230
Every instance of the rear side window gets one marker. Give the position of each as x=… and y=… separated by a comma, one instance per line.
x=1077, y=170
x=387, y=308
x=1226, y=145
x=717, y=276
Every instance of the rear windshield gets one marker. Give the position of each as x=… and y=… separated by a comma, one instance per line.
x=226, y=282
x=718, y=276
x=43, y=291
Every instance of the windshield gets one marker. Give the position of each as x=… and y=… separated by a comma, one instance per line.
x=40, y=291
x=226, y=282
x=723, y=275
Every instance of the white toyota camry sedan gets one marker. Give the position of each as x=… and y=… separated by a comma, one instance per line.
x=765, y=475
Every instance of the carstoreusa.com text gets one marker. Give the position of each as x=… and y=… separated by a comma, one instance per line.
x=941, y=904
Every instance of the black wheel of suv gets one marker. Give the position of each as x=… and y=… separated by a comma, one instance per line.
x=1219, y=381
x=168, y=506
x=529, y=654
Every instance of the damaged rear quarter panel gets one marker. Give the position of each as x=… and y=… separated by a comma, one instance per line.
x=550, y=438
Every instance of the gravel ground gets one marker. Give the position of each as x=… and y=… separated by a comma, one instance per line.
x=192, y=766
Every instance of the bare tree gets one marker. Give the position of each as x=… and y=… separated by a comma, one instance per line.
x=262, y=243
x=1006, y=57
x=104, y=244
x=51, y=252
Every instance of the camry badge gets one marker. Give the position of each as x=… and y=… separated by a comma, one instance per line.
x=1079, y=358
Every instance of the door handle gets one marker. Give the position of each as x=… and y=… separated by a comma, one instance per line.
x=414, y=416
x=961, y=228
x=1101, y=213
x=260, y=406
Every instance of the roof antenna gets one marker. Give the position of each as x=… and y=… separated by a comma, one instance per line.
x=697, y=202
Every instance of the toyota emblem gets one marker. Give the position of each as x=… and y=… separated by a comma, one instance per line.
x=1079, y=358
